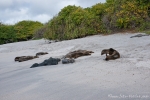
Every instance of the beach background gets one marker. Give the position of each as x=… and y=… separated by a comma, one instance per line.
x=89, y=78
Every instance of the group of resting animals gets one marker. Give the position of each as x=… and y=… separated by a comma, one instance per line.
x=111, y=54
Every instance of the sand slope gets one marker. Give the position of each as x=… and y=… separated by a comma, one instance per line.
x=89, y=78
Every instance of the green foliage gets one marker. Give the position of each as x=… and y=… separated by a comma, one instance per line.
x=76, y=22
x=126, y=14
x=21, y=31
x=73, y=22
x=147, y=32
x=99, y=9
x=39, y=33
x=26, y=29
x=7, y=34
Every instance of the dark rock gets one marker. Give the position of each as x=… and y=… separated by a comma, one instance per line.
x=66, y=61
x=34, y=65
x=139, y=35
x=50, y=61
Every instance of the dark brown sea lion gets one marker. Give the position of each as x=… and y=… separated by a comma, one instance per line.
x=17, y=58
x=113, y=54
x=25, y=58
x=41, y=53
x=78, y=53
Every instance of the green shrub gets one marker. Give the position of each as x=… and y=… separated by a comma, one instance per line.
x=125, y=14
x=26, y=29
x=76, y=22
x=7, y=34
x=73, y=22
x=21, y=31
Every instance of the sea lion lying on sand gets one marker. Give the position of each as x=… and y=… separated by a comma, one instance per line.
x=113, y=54
x=78, y=53
x=25, y=58
x=105, y=51
x=17, y=58
x=41, y=53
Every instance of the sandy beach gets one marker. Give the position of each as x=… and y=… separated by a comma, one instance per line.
x=89, y=78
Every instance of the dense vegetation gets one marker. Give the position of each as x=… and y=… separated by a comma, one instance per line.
x=21, y=31
x=75, y=22
x=112, y=16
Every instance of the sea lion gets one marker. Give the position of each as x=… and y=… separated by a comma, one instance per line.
x=113, y=54
x=78, y=53
x=41, y=53
x=105, y=51
x=17, y=58
x=25, y=58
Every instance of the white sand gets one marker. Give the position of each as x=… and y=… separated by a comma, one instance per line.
x=89, y=78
